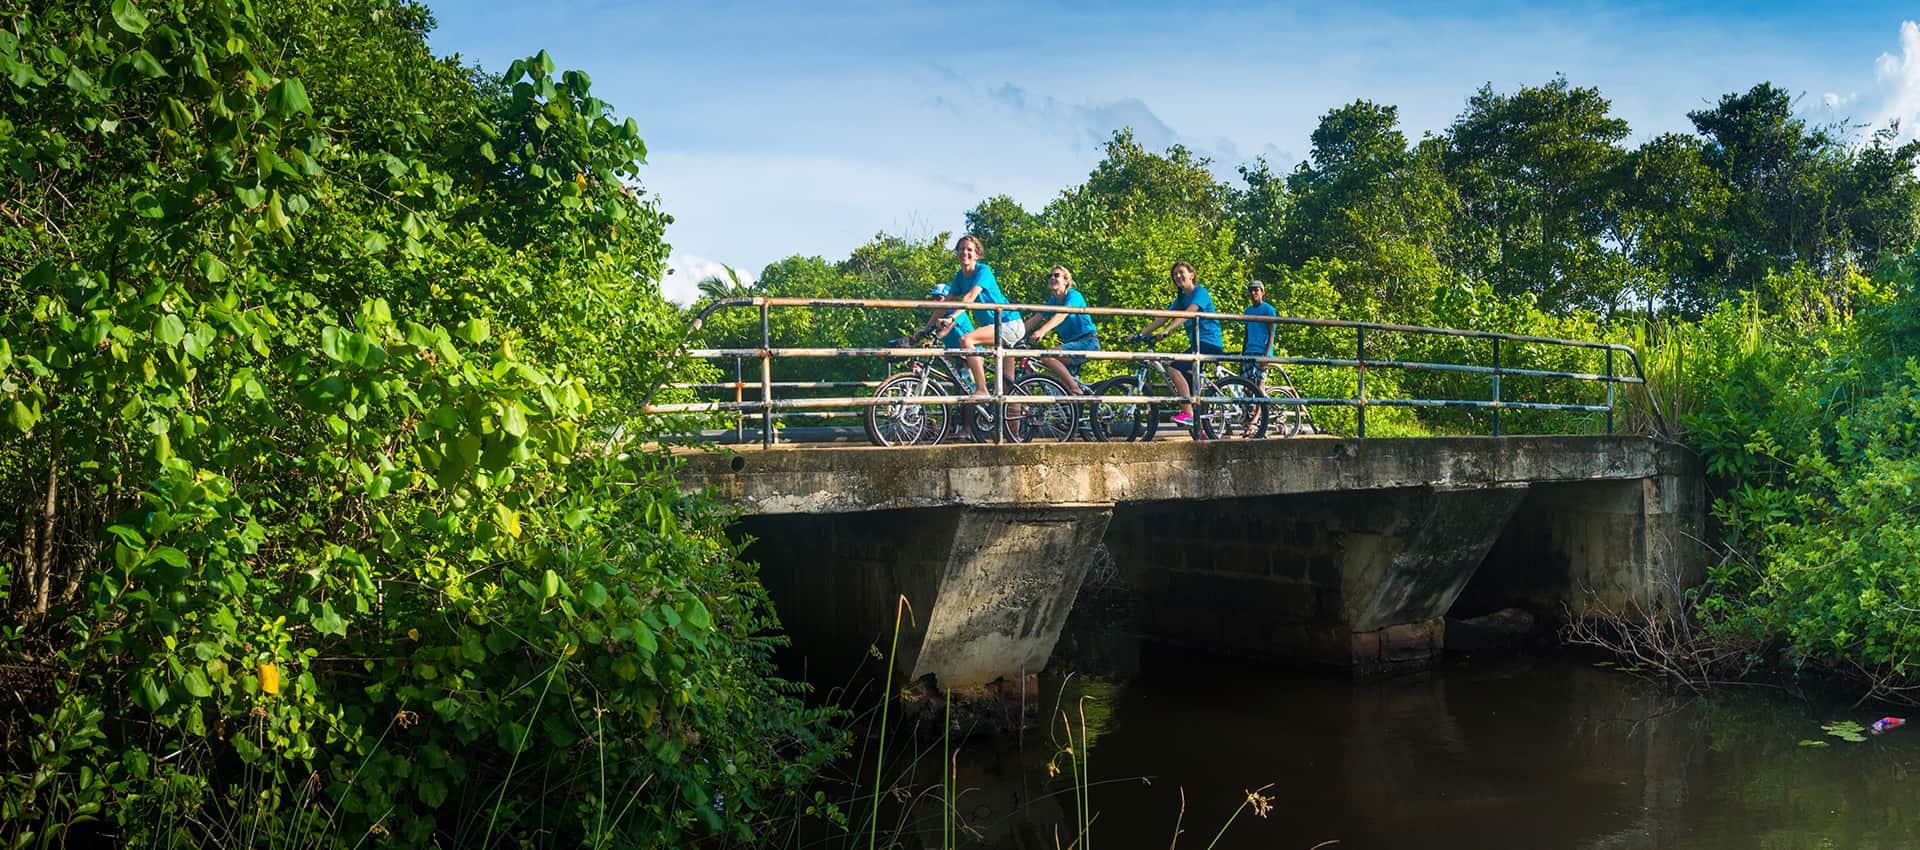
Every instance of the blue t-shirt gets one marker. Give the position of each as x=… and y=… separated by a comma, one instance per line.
x=989, y=294
x=1075, y=325
x=1260, y=334
x=1209, y=328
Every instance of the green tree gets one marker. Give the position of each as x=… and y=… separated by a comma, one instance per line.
x=1783, y=179
x=1673, y=224
x=1536, y=172
x=1384, y=210
x=1259, y=213
x=1130, y=180
x=726, y=284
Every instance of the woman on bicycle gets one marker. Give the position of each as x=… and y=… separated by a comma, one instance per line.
x=974, y=283
x=1202, y=334
x=1076, y=330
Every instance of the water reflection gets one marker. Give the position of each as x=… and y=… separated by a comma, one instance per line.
x=1519, y=752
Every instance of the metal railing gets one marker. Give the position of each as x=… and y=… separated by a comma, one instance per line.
x=769, y=407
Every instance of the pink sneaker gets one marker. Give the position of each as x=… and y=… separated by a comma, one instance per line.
x=1183, y=419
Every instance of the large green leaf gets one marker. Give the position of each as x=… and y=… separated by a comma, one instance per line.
x=288, y=98
x=129, y=17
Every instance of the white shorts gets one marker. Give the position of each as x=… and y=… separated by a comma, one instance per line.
x=1012, y=332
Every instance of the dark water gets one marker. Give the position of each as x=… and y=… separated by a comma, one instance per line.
x=1512, y=752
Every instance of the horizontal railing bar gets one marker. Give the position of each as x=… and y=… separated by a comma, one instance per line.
x=1502, y=371
x=789, y=385
x=943, y=400
x=1158, y=356
x=949, y=401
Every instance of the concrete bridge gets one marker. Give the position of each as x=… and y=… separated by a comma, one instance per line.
x=1334, y=552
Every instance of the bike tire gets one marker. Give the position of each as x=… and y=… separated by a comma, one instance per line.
x=901, y=421
x=1052, y=421
x=1284, y=420
x=1231, y=420
x=1131, y=423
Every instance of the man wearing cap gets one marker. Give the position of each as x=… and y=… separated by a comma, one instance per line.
x=1259, y=335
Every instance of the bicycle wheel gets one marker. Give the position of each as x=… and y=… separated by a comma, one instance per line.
x=1051, y=418
x=1129, y=422
x=1238, y=418
x=1283, y=420
x=901, y=420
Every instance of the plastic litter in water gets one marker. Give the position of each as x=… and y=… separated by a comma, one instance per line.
x=1885, y=723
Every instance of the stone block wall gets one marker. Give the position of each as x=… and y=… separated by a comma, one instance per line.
x=1352, y=580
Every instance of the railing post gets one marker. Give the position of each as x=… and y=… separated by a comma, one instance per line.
x=1609, y=392
x=1496, y=386
x=999, y=386
x=1360, y=395
x=739, y=392
x=766, y=378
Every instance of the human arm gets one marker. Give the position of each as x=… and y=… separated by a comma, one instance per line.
x=1051, y=321
x=972, y=294
x=1163, y=320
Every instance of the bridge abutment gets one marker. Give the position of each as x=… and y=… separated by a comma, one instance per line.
x=1599, y=548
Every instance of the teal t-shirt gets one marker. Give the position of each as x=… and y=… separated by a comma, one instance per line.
x=1209, y=328
x=1260, y=334
x=989, y=294
x=1075, y=325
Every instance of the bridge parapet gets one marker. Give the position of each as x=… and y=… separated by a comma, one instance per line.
x=853, y=480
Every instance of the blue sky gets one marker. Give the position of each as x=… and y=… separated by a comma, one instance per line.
x=779, y=129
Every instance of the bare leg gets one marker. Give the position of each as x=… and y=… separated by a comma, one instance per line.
x=974, y=339
x=1179, y=380
x=1059, y=369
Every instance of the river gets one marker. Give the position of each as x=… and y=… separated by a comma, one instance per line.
x=1515, y=751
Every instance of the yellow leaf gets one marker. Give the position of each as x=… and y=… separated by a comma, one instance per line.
x=580, y=180
x=269, y=679
x=413, y=633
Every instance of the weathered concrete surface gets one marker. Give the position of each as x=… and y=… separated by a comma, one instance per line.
x=1628, y=548
x=987, y=590
x=1334, y=552
x=1411, y=567
x=1358, y=580
x=1010, y=581
x=846, y=480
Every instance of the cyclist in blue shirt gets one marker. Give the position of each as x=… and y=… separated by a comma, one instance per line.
x=1076, y=329
x=974, y=283
x=956, y=325
x=1203, y=334
x=1259, y=335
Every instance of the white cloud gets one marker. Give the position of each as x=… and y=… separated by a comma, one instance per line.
x=1899, y=80
x=685, y=271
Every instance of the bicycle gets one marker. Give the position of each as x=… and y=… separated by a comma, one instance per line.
x=1278, y=419
x=906, y=420
x=1051, y=421
x=1139, y=422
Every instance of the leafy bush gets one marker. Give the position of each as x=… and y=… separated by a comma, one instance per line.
x=314, y=532
x=1805, y=419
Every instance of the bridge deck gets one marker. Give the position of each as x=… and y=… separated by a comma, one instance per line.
x=852, y=478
